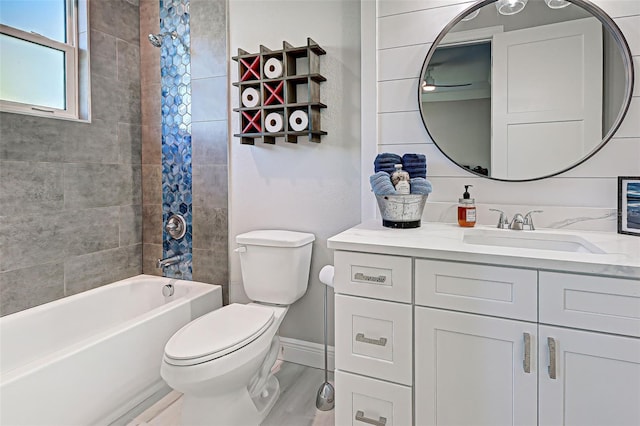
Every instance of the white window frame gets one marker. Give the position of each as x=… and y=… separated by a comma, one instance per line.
x=70, y=49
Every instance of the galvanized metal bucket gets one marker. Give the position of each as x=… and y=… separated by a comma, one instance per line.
x=401, y=211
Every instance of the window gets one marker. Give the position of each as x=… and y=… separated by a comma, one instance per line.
x=41, y=62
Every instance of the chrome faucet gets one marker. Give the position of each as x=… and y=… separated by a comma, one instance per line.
x=168, y=261
x=528, y=220
x=503, y=222
x=518, y=223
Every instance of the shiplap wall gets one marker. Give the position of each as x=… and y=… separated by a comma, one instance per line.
x=404, y=32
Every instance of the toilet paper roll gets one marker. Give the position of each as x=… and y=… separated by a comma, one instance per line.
x=298, y=121
x=274, y=122
x=273, y=68
x=326, y=275
x=250, y=97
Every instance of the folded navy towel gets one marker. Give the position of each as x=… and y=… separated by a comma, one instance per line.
x=420, y=186
x=415, y=165
x=414, y=157
x=389, y=156
x=381, y=184
x=386, y=162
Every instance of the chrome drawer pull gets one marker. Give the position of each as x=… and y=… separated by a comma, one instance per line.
x=382, y=421
x=380, y=342
x=551, y=342
x=362, y=277
x=526, y=362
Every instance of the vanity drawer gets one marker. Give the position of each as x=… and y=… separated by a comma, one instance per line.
x=373, y=275
x=590, y=302
x=362, y=400
x=481, y=289
x=373, y=337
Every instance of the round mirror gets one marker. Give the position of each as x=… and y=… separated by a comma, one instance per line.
x=520, y=90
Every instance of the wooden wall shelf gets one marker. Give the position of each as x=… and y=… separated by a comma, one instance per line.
x=295, y=88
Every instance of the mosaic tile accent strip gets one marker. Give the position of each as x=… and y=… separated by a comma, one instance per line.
x=175, y=66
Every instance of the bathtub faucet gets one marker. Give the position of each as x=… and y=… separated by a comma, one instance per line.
x=168, y=261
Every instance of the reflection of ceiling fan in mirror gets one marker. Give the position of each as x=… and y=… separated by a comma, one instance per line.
x=429, y=83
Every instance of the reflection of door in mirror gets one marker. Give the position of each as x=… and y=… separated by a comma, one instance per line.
x=547, y=97
x=459, y=106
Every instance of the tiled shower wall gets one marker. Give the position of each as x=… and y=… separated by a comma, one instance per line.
x=208, y=38
x=70, y=197
x=175, y=78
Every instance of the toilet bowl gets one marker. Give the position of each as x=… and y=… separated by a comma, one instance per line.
x=222, y=361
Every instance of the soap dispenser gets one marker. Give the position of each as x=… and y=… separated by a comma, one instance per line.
x=400, y=180
x=466, y=209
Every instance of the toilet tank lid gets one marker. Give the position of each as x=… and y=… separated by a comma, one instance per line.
x=275, y=238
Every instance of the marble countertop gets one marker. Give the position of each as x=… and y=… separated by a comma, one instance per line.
x=445, y=241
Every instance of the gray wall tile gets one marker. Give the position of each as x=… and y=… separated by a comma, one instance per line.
x=30, y=187
x=151, y=143
x=211, y=266
x=128, y=61
x=150, y=254
x=103, y=54
x=152, y=224
x=29, y=240
x=130, y=225
x=116, y=17
x=99, y=185
x=209, y=98
x=209, y=228
x=29, y=138
x=210, y=186
x=209, y=42
x=95, y=142
x=130, y=142
x=89, y=230
x=28, y=287
x=93, y=270
x=34, y=239
x=209, y=142
x=101, y=174
x=151, y=184
x=151, y=103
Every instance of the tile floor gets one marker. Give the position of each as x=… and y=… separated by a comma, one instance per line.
x=295, y=407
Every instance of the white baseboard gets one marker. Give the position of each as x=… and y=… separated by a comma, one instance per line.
x=305, y=353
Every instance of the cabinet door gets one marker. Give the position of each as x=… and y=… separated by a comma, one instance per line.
x=474, y=370
x=588, y=378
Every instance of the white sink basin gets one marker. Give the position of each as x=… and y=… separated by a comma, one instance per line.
x=530, y=240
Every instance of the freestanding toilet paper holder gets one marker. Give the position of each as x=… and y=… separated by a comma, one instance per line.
x=325, y=399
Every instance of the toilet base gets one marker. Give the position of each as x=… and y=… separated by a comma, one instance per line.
x=234, y=409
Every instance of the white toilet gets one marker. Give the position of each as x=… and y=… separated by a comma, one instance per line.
x=222, y=361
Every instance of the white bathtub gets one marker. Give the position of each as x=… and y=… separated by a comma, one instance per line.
x=89, y=358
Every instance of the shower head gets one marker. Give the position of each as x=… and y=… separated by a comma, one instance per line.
x=156, y=39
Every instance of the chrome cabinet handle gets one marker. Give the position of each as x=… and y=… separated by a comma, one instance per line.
x=380, y=342
x=382, y=421
x=526, y=362
x=551, y=343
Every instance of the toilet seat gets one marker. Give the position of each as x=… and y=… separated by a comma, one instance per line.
x=217, y=334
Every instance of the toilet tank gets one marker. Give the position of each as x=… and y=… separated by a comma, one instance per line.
x=275, y=264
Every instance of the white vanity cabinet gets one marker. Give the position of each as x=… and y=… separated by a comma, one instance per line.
x=438, y=342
